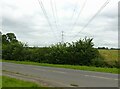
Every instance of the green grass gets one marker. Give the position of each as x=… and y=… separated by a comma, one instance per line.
x=12, y=82
x=88, y=68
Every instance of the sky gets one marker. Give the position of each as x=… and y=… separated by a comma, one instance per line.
x=42, y=24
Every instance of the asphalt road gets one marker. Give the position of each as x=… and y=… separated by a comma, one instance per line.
x=61, y=77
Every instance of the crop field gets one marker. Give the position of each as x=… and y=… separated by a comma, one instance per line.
x=109, y=55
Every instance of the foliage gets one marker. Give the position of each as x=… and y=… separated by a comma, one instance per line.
x=12, y=49
x=81, y=52
x=75, y=53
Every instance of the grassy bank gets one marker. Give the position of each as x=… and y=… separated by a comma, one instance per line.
x=87, y=68
x=12, y=82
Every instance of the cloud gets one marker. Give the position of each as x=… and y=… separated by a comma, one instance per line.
x=26, y=19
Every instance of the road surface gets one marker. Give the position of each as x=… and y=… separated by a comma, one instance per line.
x=61, y=77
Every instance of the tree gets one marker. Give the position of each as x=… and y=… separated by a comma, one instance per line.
x=12, y=49
x=4, y=39
x=11, y=37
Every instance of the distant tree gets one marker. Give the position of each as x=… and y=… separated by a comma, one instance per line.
x=102, y=47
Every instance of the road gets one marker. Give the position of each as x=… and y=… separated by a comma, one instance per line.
x=62, y=77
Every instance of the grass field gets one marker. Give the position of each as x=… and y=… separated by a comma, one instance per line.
x=88, y=68
x=109, y=55
x=12, y=82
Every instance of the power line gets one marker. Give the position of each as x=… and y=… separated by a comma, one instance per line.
x=56, y=11
x=57, y=22
x=57, y=18
x=74, y=10
x=56, y=14
x=74, y=24
x=53, y=13
x=73, y=14
x=103, y=6
x=45, y=14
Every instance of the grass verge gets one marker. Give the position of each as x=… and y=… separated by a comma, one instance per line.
x=12, y=82
x=87, y=68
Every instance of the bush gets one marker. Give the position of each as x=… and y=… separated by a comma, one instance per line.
x=75, y=53
x=81, y=52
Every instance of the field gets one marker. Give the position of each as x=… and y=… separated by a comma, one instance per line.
x=109, y=55
x=12, y=82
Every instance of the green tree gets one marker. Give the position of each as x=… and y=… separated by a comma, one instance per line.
x=11, y=37
x=12, y=49
x=4, y=39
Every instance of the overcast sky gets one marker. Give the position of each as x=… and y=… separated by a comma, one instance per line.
x=26, y=19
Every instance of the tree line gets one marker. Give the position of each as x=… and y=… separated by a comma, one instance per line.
x=81, y=52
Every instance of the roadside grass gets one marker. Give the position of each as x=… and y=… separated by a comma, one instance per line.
x=12, y=82
x=8, y=83
x=86, y=68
